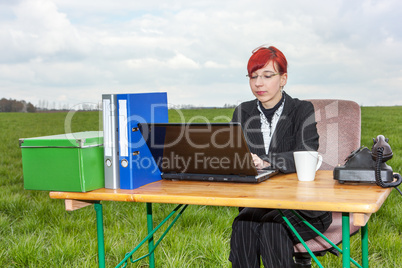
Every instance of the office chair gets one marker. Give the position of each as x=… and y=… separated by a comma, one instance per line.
x=339, y=128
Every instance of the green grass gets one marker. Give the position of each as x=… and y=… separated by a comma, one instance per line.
x=36, y=231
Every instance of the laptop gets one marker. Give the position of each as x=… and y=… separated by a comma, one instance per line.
x=202, y=152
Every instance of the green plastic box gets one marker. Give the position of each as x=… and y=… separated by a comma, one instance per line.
x=71, y=162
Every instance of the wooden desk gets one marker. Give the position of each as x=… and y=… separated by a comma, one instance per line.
x=281, y=192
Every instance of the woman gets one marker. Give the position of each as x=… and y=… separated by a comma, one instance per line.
x=275, y=125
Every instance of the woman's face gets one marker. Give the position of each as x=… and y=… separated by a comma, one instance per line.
x=266, y=83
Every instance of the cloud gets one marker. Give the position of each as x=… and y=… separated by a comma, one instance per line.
x=74, y=51
x=38, y=29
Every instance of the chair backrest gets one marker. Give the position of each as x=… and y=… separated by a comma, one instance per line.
x=339, y=128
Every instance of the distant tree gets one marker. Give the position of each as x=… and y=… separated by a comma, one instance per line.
x=86, y=107
x=5, y=105
x=17, y=106
x=10, y=105
x=227, y=105
x=31, y=108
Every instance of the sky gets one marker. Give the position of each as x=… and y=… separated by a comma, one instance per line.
x=66, y=53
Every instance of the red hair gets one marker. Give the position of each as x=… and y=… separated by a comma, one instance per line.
x=264, y=55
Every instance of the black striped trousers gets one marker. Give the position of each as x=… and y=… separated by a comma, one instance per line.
x=259, y=233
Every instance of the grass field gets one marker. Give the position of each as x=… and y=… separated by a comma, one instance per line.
x=36, y=231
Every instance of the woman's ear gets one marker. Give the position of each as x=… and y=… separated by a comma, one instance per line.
x=284, y=79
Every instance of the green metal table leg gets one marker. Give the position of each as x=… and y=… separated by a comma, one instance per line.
x=151, y=239
x=129, y=256
x=364, y=235
x=345, y=240
x=300, y=238
x=101, y=241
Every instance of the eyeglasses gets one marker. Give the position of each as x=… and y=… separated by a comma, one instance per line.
x=263, y=77
x=267, y=46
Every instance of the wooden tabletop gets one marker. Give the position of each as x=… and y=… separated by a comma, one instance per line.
x=282, y=191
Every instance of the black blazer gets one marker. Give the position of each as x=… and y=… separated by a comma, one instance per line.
x=296, y=131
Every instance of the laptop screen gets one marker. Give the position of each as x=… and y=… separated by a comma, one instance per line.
x=214, y=148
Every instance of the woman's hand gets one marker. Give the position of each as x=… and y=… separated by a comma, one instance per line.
x=259, y=163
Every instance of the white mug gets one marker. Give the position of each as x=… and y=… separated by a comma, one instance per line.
x=307, y=163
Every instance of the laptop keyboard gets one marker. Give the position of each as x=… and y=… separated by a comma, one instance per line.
x=264, y=171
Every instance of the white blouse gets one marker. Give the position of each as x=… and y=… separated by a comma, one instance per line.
x=268, y=128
